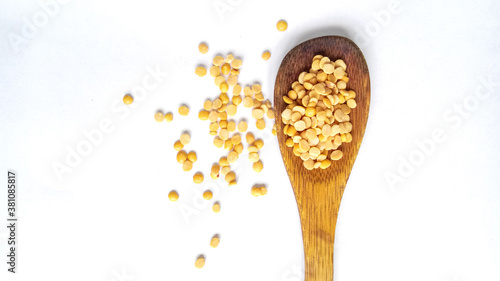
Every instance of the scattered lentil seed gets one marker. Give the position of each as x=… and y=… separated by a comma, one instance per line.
x=248, y=102
x=231, y=110
x=259, y=143
x=232, y=80
x=203, y=115
x=255, y=191
x=218, y=80
x=231, y=176
x=225, y=68
x=242, y=126
x=224, y=87
x=232, y=157
x=207, y=195
x=236, y=63
x=214, y=71
x=173, y=196
x=183, y=110
x=258, y=166
x=260, y=124
x=198, y=178
x=169, y=117
x=256, y=88
x=159, y=117
x=203, y=48
x=200, y=262
x=250, y=138
x=237, y=100
x=200, y=71
x=187, y=165
x=266, y=55
x=259, y=191
x=228, y=145
x=218, y=60
x=253, y=157
x=237, y=89
x=238, y=148
x=207, y=105
x=181, y=156
x=128, y=99
x=185, y=139
x=178, y=146
x=218, y=142
x=257, y=113
x=270, y=114
x=224, y=170
x=282, y=25
x=223, y=162
x=224, y=134
x=216, y=207
x=214, y=242
x=236, y=139
x=192, y=156
x=231, y=126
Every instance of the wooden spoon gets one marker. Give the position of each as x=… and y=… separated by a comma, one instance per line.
x=318, y=192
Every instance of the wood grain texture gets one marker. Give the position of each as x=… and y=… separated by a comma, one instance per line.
x=318, y=192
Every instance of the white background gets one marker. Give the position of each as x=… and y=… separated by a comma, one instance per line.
x=110, y=218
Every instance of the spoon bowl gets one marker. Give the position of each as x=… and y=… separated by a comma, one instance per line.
x=318, y=192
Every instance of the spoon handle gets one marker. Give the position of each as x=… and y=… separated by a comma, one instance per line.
x=318, y=215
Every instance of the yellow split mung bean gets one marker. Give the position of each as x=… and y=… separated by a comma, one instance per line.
x=316, y=119
x=203, y=48
x=173, y=196
x=183, y=110
x=128, y=99
x=159, y=117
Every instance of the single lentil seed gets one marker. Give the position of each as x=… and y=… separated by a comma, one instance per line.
x=203, y=115
x=218, y=60
x=250, y=138
x=173, y=196
x=236, y=63
x=181, y=156
x=214, y=242
x=178, y=146
x=260, y=124
x=216, y=207
x=253, y=156
x=183, y=110
x=200, y=262
x=207, y=195
x=192, y=156
x=200, y=71
x=266, y=55
x=185, y=139
x=187, y=165
x=214, y=71
x=242, y=126
x=258, y=166
x=198, y=178
x=128, y=99
x=203, y=48
x=169, y=117
x=231, y=126
x=159, y=117
x=282, y=25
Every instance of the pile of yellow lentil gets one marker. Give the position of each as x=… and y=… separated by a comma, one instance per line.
x=317, y=115
x=227, y=133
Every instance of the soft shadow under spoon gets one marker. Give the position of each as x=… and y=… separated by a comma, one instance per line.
x=318, y=192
